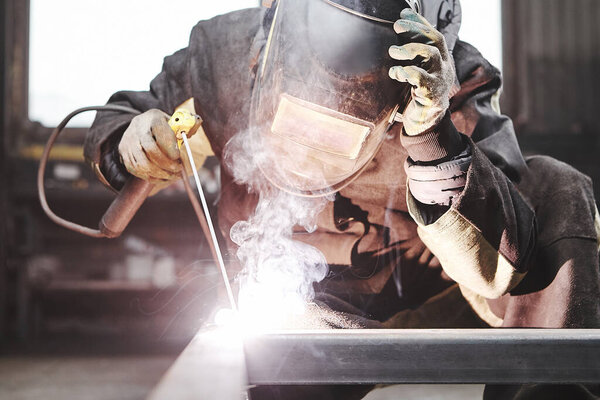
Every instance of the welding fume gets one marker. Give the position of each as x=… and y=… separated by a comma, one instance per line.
x=368, y=178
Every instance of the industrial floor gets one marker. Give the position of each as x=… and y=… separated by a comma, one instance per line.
x=131, y=377
x=82, y=378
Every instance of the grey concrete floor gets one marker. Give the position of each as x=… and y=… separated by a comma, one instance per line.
x=80, y=377
x=131, y=377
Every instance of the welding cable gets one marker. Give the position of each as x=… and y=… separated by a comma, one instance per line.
x=44, y=161
x=202, y=212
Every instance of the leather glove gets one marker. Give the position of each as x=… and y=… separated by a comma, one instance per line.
x=148, y=148
x=430, y=71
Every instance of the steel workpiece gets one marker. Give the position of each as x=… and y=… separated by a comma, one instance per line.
x=211, y=367
x=424, y=356
x=220, y=365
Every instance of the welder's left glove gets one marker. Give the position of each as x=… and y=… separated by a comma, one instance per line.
x=429, y=68
x=439, y=156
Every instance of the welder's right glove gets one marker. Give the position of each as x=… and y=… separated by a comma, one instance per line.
x=148, y=148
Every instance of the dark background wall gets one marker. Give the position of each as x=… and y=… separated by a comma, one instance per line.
x=153, y=284
x=551, y=52
x=3, y=210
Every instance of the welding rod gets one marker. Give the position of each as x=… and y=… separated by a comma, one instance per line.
x=215, y=244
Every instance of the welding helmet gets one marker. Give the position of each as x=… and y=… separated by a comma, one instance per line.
x=323, y=103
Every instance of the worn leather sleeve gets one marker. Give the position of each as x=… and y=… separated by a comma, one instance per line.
x=522, y=238
x=169, y=89
x=485, y=239
x=211, y=69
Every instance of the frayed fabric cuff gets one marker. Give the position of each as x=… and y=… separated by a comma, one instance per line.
x=441, y=141
x=110, y=166
x=438, y=184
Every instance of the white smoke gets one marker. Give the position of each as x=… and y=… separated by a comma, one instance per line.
x=278, y=272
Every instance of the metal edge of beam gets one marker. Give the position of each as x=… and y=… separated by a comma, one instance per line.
x=211, y=367
x=424, y=356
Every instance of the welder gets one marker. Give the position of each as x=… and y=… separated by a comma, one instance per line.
x=438, y=220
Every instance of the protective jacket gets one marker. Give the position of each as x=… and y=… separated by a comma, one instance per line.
x=521, y=240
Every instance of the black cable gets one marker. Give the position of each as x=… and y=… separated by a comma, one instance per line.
x=44, y=161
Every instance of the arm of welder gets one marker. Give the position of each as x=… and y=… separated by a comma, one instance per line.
x=485, y=238
x=169, y=89
x=213, y=69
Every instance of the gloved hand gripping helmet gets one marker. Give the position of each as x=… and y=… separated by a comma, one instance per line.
x=323, y=102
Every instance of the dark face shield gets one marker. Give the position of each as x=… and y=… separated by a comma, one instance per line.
x=323, y=101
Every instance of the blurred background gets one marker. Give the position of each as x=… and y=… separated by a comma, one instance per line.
x=134, y=302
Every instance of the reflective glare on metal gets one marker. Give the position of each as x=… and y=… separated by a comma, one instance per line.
x=213, y=235
x=423, y=356
x=212, y=367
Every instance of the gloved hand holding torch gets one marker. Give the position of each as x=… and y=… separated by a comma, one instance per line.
x=148, y=148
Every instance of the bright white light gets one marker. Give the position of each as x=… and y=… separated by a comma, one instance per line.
x=225, y=316
x=261, y=308
x=482, y=27
x=83, y=51
x=269, y=307
x=264, y=305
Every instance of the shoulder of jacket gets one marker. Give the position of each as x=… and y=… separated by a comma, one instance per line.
x=468, y=59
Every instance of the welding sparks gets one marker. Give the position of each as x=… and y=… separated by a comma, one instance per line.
x=269, y=300
x=276, y=282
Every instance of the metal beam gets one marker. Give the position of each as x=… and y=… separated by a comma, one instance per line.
x=218, y=365
x=211, y=367
x=424, y=356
